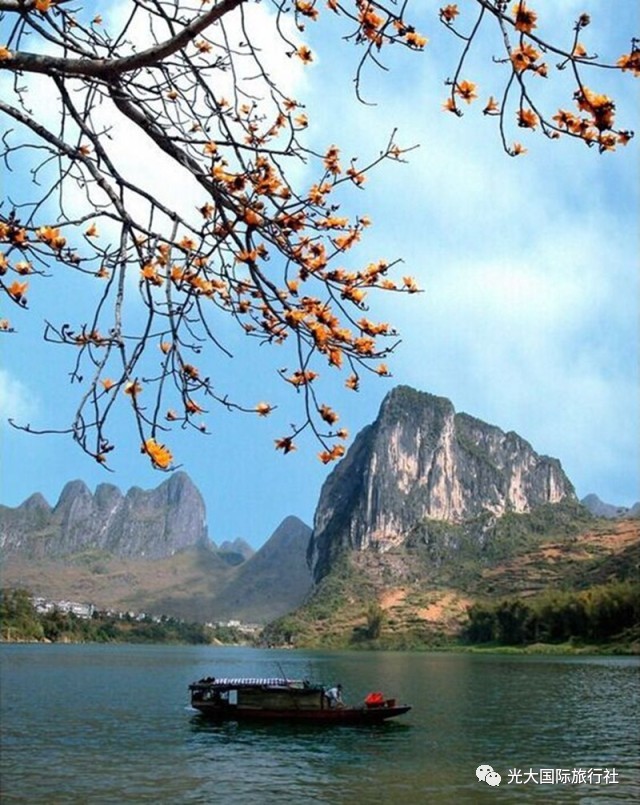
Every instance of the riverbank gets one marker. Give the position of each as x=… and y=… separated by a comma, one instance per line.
x=22, y=622
x=606, y=649
x=621, y=649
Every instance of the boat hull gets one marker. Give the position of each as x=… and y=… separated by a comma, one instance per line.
x=338, y=715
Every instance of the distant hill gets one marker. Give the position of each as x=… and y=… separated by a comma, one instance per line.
x=600, y=509
x=148, y=551
x=236, y=552
x=273, y=581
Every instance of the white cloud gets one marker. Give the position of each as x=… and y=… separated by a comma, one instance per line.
x=16, y=400
x=137, y=158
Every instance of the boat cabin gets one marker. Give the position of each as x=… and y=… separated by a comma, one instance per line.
x=257, y=694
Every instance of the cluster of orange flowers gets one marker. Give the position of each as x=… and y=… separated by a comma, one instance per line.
x=273, y=312
x=525, y=57
x=373, y=25
x=52, y=237
x=524, y=19
x=84, y=338
x=251, y=118
x=630, y=61
x=373, y=28
x=262, y=179
x=307, y=9
x=337, y=451
x=22, y=239
x=595, y=127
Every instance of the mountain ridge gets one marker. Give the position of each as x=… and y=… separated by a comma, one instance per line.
x=153, y=523
x=609, y=511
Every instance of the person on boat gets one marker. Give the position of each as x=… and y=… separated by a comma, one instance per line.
x=334, y=696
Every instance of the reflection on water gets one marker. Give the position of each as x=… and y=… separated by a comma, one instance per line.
x=111, y=724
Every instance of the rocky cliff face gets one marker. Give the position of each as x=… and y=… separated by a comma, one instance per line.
x=151, y=524
x=420, y=460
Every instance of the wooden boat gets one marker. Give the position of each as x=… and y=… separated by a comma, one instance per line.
x=281, y=699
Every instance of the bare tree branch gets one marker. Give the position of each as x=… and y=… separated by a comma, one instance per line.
x=112, y=68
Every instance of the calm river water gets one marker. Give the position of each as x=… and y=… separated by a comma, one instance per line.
x=111, y=724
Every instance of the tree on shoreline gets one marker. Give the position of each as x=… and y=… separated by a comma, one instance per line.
x=22, y=622
x=599, y=614
x=260, y=246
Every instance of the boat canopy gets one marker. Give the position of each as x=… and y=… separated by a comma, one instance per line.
x=230, y=683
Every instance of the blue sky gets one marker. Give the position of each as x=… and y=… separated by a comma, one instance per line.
x=529, y=317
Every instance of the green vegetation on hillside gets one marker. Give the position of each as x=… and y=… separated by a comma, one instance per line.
x=487, y=539
x=514, y=532
x=322, y=620
x=596, y=615
x=21, y=622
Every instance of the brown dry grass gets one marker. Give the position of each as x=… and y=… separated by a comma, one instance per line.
x=555, y=560
x=450, y=606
